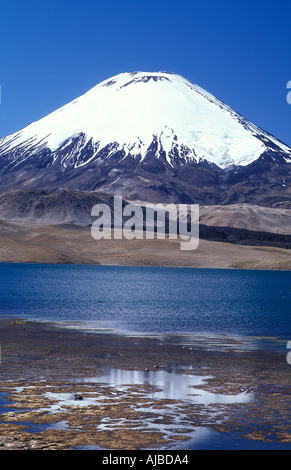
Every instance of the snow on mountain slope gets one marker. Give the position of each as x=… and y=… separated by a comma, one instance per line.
x=131, y=110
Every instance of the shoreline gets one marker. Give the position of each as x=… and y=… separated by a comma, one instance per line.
x=142, y=266
x=67, y=389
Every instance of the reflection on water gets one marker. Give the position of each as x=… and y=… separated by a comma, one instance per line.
x=169, y=385
x=116, y=386
x=147, y=388
x=151, y=385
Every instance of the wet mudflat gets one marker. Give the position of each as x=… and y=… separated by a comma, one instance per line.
x=64, y=388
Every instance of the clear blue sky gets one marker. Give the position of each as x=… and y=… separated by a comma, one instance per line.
x=52, y=51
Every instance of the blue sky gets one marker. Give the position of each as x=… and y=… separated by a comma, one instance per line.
x=52, y=51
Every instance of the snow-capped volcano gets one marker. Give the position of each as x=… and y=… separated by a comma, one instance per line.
x=134, y=120
x=132, y=109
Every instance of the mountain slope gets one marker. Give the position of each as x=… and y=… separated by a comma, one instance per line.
x=150, y=136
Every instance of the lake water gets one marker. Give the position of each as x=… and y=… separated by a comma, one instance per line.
x=151, y=300
x=155, y=300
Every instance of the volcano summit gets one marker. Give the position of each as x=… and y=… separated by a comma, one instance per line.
x=152, y=137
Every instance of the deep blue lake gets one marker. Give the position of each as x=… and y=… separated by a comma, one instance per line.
x=146, y=299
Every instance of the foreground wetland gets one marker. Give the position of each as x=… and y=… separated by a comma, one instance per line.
x=112, y=357
x=71, y=388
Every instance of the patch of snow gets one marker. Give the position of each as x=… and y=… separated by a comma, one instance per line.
x=130, y=108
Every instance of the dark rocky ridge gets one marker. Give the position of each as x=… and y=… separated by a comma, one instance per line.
x=266, y=181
